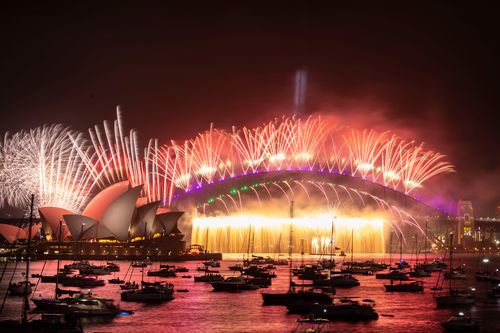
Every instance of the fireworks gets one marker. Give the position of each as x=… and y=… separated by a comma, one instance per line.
x=296, y=144
x=64, y=168
x=44, y=161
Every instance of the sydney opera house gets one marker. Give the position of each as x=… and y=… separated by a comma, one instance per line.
x=114, y=223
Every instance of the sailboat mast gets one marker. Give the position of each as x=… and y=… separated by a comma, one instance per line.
x=331, y=251
x=352, y=246
x=416, y=249
x=401, y=248
x=142, y=270
x=25, y=299
x=390, y=249
x=425, y=244
x=451, y=258
x=58, y=257
x=290, y=240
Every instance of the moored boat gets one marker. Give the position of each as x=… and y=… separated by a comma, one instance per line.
x=81, y=305
x=414, y=286
x=460, y=323
x=149, y=294
x=20, y=288
x=234, y=284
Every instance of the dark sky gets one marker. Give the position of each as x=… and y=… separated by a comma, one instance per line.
x=431, y=69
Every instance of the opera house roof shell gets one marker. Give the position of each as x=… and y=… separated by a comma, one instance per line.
x=112, y=213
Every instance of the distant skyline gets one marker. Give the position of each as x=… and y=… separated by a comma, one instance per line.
x=428, y=72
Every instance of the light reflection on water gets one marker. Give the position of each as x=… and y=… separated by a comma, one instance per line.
x=202, y=310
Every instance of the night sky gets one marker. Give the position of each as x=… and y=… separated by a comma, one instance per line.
x=429, y=70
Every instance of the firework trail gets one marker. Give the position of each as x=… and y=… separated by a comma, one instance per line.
x=44, y=161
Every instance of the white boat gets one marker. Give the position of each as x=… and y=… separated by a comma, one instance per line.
x=81, y=305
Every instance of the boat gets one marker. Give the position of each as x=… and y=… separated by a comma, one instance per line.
x=413, y=286
x=327, y=263
x=257, y=271
x=340, y=281
x=495, y=291
x=81, y=305
x=20, y=288
x=393, y=275
x=455, y=274
x=455, y=296
x=435, y=266
x=309, y=272
x=460, y=323
x=81, y=281
x=417, y=272
x=53, y=278
x=165, y=272
x=116, y=281
x=211, y=263
x=236, y=267
x=149, y=294
x=112, y=267
x=129, y=286
x=233, y=284
x=78, y=265
x=95, y=270
x=211, y=276
x=346, y=310
x=311, y=324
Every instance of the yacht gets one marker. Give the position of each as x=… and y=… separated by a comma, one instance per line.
x=81, y=305
x=164, y=272
x=347, y=310
x=234, y=284
x=78, y=265
x=419, y=272
x=340, y=281
x=149, y=294
x=81, y=281
x=393, y=275
x=210, y=276
x=211, y=263
x=414, y=286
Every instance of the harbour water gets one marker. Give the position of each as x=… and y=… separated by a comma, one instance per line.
x=203, y=310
